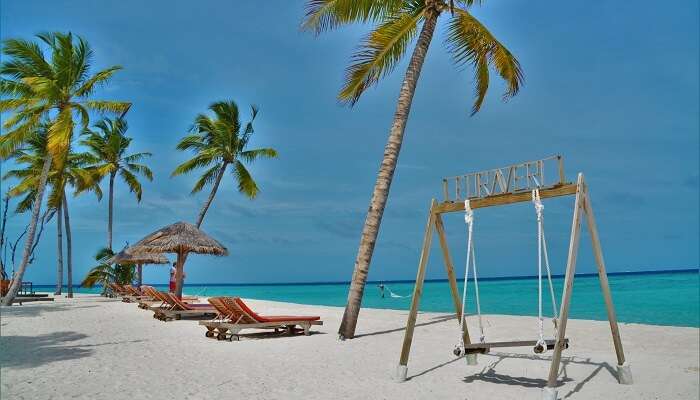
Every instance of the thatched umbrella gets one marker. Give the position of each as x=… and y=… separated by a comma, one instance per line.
x=181, y=238
x=135, y=255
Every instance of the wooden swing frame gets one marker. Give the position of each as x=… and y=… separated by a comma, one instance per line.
x=582, y=207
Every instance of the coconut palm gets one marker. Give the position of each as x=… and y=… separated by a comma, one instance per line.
x=218, y=143
x=397, y=23
x=105, y=272
x=57, y=91
x=108, y=146
x=30, y=159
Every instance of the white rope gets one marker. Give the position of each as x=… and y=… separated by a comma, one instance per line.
x=542, y=249
x=471, y=261
x=469, y=219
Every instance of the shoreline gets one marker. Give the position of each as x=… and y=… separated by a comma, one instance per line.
x=341, y=308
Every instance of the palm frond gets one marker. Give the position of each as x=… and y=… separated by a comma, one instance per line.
x=246, y=183
x=59, y=135
x=140, y=169
x=198, y=161
x=132, y=182
x=207, y=178
x=252, y=155
x=136, y=157
x=99, y=79
x=323, y=15
x=471, y=43
x=103, y=106
x=381, y=50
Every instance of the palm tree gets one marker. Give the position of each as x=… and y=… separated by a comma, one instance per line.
x=218, y=143
x=105, y=272
x=397, y=23
x=108, y=148
x=31, y=159
x=54, y=91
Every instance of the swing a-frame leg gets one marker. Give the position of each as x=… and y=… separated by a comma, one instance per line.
x=583, y=206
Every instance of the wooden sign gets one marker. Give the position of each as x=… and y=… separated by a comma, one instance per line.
x=539, y=174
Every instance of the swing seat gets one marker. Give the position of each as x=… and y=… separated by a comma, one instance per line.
x=483, y=348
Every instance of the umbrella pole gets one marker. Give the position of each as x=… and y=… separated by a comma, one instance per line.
x=178, y=273
x=139, y=269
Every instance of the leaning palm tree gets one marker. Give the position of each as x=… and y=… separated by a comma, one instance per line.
x=56, y=91
x=397, y=23
x=218, y=143
x=30, y=160
x=108, y=146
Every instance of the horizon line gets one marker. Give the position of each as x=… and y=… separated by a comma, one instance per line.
x=492, y=278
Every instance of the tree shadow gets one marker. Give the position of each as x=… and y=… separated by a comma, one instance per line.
x=34, y=351
x=35, y=309
x=434, y=320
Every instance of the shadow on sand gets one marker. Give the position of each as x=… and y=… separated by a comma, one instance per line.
x=36, y=309
x=434, y=320
x=490, y=374
x=34, y=351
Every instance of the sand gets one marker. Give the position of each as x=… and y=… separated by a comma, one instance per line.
x=92, y=347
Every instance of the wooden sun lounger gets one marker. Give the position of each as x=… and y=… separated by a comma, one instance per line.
x=117, y=290
x=133, y=294
x=177, y=309
x=234, y=315
x=156, y=300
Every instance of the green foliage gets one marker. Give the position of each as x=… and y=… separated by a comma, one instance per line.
x=54, y=90
x=221, y=141
x=30, y=159
x=103, y=273
x=396, y=23
x=107, y=147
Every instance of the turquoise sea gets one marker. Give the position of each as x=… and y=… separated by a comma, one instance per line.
x=660, y=298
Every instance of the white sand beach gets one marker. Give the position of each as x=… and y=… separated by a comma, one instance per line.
x=92, y=347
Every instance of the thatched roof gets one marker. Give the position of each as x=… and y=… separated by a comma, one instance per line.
x=181, y=236
x=135, y=255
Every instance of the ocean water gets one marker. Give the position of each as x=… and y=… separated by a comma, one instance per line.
x=659, y=298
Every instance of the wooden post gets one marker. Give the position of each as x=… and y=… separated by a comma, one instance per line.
x=562, y=177
x=456, y=298
x=139, y=274
x=179, y=273
x=417, y=291
x=603, y=277
x=568, y=286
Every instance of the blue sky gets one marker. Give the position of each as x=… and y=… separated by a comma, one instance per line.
x=612, y=86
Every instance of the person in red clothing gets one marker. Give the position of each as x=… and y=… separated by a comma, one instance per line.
x=172, y=279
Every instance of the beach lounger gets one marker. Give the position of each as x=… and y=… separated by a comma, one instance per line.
x=177, y=309
x=154, y=299
x=133, y=294
x=121, y=290
x=234, y=315
x=117, y=290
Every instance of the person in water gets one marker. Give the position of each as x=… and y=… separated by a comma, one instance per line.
x=381, y=289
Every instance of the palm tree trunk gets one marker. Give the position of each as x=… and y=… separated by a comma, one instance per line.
x=111, y=210
x=385, y=176
x=220, y=175
x=69, y=246
x=36, y=208
x=59, y=250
